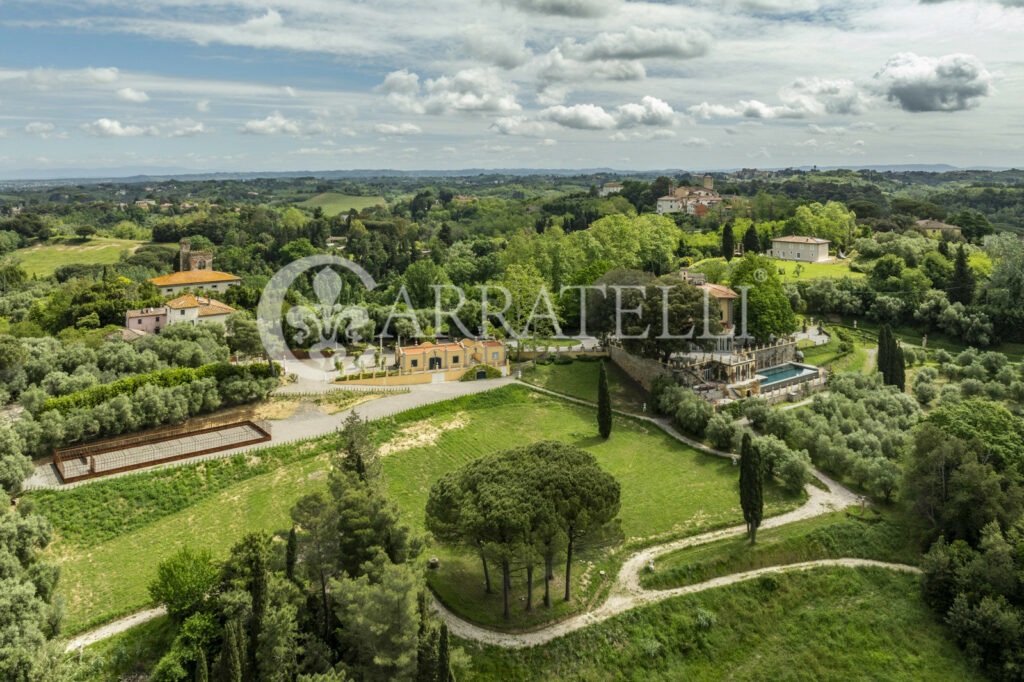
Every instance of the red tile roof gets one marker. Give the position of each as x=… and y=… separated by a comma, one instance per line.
x=193, y=277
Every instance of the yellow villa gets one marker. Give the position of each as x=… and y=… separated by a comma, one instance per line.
x=433, y=357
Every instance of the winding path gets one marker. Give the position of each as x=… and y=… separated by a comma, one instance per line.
x=626, y=592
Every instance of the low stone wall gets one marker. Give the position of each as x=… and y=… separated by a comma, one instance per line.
x=643, y=370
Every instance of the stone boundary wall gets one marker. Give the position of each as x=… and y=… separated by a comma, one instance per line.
x=643, y=370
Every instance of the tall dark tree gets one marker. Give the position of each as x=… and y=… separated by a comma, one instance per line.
x=229, y=664
x=961, y=289
x=897, y=366
x=444, y=656
x=883, y=360
x=751, y=240
x=751, y=487
x=728, y=242
x=604, y=404
x=202, y=673
x=291, y=552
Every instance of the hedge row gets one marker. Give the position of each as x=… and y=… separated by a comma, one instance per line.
x=166, y=378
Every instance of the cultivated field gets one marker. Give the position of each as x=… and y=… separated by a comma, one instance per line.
x=579, y=380
x=333, y=203
x=43, y=259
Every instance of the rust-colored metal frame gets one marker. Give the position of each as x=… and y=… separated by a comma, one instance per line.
x=103, y=447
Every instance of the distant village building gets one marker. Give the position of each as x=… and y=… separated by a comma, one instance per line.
x=669, y=204
x=189, y=309
x=935, y=228
x=196, y=272
x=709, y=182
x=800, y=248
x=609, y=188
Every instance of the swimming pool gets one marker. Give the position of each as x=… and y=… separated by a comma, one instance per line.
x=789, y=370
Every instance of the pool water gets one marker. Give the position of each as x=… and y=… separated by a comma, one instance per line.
x=773, y=375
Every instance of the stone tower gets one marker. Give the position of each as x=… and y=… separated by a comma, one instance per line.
x=193, y=260
x=709, y=182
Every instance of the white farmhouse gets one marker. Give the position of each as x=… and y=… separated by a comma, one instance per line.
x=609, y=188
x=669, y=204
x=800, y=248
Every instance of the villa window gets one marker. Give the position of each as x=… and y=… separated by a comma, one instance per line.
x=494, y=355
x=414, y=363
x=455, y=359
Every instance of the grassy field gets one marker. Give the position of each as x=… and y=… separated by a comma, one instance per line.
x=791, y=271
x=580, y=381
x=130, y=655
x=885, y=536
x=825, y=624
x=334, y=203
x=112, y=534
x=829, y=354
x=668, y=489
x=43, y=259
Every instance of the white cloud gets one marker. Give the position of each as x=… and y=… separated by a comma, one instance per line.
x=520, y=125
x=642, y=135
x=398, y=129
x=275, y=124
x=918, y=84
x=495, y=47
x=816, y=129
x=41, y=129
x=555, y=67
x=642, y=43
x=203, y=105
x=182, y=127
x=132, y=95
x=105, y=127
x=824, y=96
x=651, y=111
x=46, y=79
x=470, y=90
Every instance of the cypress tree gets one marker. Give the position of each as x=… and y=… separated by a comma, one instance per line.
x=751, y=242
x=883, y=360
x=962, y=289
x=604, y=404
x=202, y=674
x=444, y=663
x=898, y=366
x=728, y=242
x=229, y=664
x=291, y=553
x=944, y=248
x=751, y=487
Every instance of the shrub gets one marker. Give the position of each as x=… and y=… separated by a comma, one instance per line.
x=721, y=431
x=182, y=582
x=470, y=375
x=942, y=356
x=925, y=392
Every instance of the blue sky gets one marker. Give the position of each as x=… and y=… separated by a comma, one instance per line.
x=324, y=84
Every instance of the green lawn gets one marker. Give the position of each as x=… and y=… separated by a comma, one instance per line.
x=825, y=624
x=43, y=259
x=579, y=380
x=791, y=271
x=667, y=490
x=885, y=536
x=129, y=655
x=334, y=203
x=829, y=355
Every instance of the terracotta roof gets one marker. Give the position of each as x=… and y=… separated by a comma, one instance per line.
x=193, y=277
x=668, y=198
x=427, y=346
x=146, y=312
x=800, y=239
x=131, y=334
x=493, y=343
x=936, y=225
x=207, y=306
x=719, y=291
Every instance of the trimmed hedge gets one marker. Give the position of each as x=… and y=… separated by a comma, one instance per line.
x=470, y=375
x=166, y=378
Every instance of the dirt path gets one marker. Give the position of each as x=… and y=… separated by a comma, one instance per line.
x=115, y=628
x=869, y=364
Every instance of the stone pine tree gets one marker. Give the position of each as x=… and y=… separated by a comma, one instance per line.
x=728, y=242
x=751, y=487
x=962, y=289
x=604, y=404
x=751, y=241
x=883, y=359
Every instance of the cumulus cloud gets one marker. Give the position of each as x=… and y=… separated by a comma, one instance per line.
x=398, y=129
x=642, y=43
x=39, y=128
x=179, y=127
x=471, y=90
x=803, y=97
x=520, y=125
x=564, y=8
x=105, y=127
x=276, y=124
x=203, y=105
x=777, y=6
x=642, y=135
x=918, y=84
x=500, y=49
x=651, y=111
x=132, y=95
